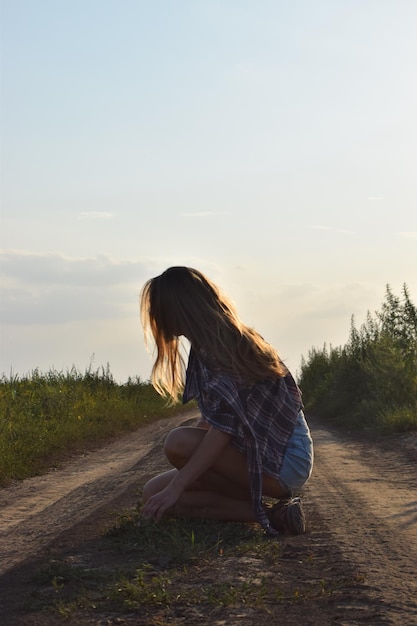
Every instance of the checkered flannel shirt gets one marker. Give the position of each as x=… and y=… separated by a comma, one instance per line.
x=260, y=418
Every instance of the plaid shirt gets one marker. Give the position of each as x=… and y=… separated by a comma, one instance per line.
x=260, y=417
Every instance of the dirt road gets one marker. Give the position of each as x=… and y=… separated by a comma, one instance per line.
x=361, y=503
x=367, y=494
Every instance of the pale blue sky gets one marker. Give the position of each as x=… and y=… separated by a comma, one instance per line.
x=270, y=144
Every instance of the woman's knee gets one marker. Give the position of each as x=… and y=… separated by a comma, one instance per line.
x=181, y=442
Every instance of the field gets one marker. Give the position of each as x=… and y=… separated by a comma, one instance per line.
x=76, y=550
x=47, y=416
x=76, y=449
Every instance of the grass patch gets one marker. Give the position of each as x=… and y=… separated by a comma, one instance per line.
x=399, y=419
x=179, y=572
x=43, y=417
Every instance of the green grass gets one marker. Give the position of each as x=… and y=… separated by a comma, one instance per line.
x=43, y=417
x=175, y=569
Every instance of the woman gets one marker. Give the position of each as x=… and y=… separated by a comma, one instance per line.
x=252, y=440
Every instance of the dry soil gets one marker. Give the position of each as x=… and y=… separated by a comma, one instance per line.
x=361, y=505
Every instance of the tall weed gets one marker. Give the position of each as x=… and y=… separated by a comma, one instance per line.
x=44, y=416
x=371, y=381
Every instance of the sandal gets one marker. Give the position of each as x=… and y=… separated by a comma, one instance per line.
x=288, y=516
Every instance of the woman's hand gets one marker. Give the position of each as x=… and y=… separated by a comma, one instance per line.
x=160, y=503
x=205, y=454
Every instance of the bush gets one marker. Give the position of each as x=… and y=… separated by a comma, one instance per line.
x=372, y=380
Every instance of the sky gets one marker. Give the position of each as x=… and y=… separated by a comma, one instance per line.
x=269, y=144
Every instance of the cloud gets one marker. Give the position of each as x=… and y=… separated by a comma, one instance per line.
x=204, y=213
x=294, y=317
x=96, y=215
x=57, y=269
x=411, y=234
x=52, y=288
x=332, y=229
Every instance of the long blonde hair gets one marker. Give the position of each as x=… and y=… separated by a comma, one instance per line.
x=182, y=301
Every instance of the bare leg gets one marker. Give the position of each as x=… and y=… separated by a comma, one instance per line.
x=222, y=493
x=229, y=473
x=159, y=482
x=211, y=505
x=201, y=503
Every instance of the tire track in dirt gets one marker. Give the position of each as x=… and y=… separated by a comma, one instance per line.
x=367, y=496
x=361, y=502
x=37, y=510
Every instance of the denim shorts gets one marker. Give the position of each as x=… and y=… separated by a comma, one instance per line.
x=298, y=458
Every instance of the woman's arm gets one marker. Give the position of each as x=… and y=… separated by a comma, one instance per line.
x=202, y=459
